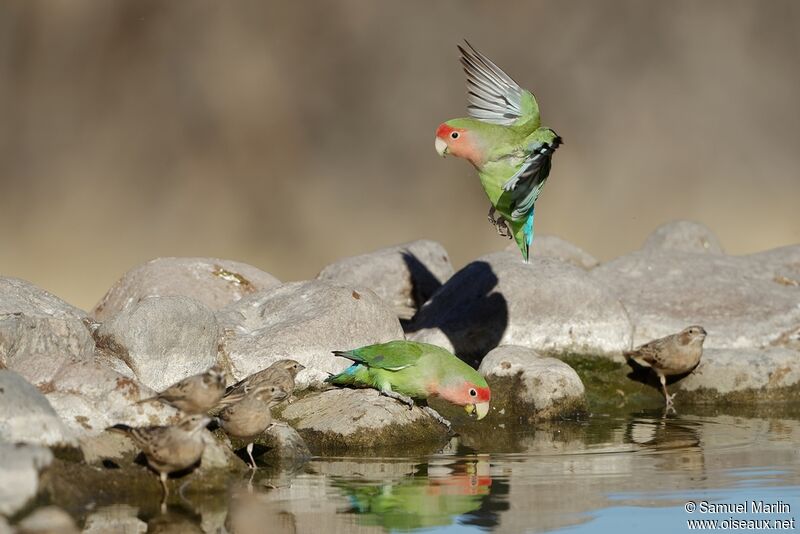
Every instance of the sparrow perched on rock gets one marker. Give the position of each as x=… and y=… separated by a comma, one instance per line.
x=195, y=394
x=281, y=373
x=248, y=415
x=675, y=354
x=170, y=448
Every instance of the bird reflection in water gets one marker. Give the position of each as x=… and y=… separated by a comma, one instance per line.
x=435, y=496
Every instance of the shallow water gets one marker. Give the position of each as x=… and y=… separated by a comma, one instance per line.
x=621, y=473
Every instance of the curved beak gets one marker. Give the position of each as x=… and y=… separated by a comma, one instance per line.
x=441, y=147
x=480, y=409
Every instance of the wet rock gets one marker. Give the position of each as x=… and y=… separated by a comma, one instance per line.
x=75, y=485
x=404, y=276
x=686, y=236
x=285, y=442
x=550, y=246
x=666, y=290
x=90, y=397
x=354, y=419
x=278, y=444
x=304, y=321
x=115, y=518
x=547, y=305
x=27, y=417
x=213, y=282
x=162, y=339
x=744, y=374
x=20, y=466
x=39, y=333
x=48, y=520
x=108, y=448
x=528, y=386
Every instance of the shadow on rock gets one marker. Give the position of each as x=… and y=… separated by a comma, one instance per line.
x=424, y=282
x=468, y=311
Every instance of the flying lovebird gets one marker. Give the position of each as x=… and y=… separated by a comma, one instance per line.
x=407, y=370
x=503, y=138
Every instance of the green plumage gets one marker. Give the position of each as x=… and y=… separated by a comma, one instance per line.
x=416, y=370
x=511, y=150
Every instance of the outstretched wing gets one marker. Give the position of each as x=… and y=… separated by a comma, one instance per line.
x=526, y=184
x=493, y=96
x=391, y=356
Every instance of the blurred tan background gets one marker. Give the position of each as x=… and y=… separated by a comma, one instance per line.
x=290, y=134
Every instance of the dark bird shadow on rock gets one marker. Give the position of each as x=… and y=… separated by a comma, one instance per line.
x=469, y=311
x=423, y=283
x=645, y=375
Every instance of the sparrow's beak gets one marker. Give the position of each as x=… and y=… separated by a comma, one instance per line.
x=441, y=147
x=481, y=409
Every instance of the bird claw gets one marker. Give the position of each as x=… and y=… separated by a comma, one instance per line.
x=437, y=416
x=499, y=223
x=397, y=396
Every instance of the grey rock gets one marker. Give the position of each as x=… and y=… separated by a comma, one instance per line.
x=120, y=518
x=27, y=417
x=218, y=459
x=404, y=276
x=90, y=397
x=731, y=297
x=4, y=527
x=48, y=520
x=285, y=443
x=19, y=296
x=304, y=321
x=760, y=372
x=20, y=466
x=547, y=305
x=37, y=347
x=686, y=236
x=350, y=419
x=550, y=246
x=530, y=386
x=162, y=339
x=214, y=282
x=779, y=265
x=108, y=446
x=118, y=448
x=39, y=333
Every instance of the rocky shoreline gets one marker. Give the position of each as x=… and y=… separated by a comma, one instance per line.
x=548, y=336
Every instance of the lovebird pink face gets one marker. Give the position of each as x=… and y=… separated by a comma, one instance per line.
x=459, y=142
x=473, y=397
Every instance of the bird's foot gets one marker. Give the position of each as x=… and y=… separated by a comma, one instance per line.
x=499, y=223
x=397, y=396
x=436, y=415
x=670, y=406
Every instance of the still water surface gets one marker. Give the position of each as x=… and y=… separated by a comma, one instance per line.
x=621, y=473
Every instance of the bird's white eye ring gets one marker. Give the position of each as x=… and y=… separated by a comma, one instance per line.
x=454, y=135
x=472, y=392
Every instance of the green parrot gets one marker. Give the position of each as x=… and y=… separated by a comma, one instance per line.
x=504, y=140
x=406, y=370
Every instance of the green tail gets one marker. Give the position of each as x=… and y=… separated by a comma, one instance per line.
x=355, y=375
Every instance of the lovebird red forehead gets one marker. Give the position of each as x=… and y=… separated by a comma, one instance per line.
x=444, y=130
x=484, y=394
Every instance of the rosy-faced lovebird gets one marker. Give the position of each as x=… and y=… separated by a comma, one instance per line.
x=407, y=370
x=504, y=140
